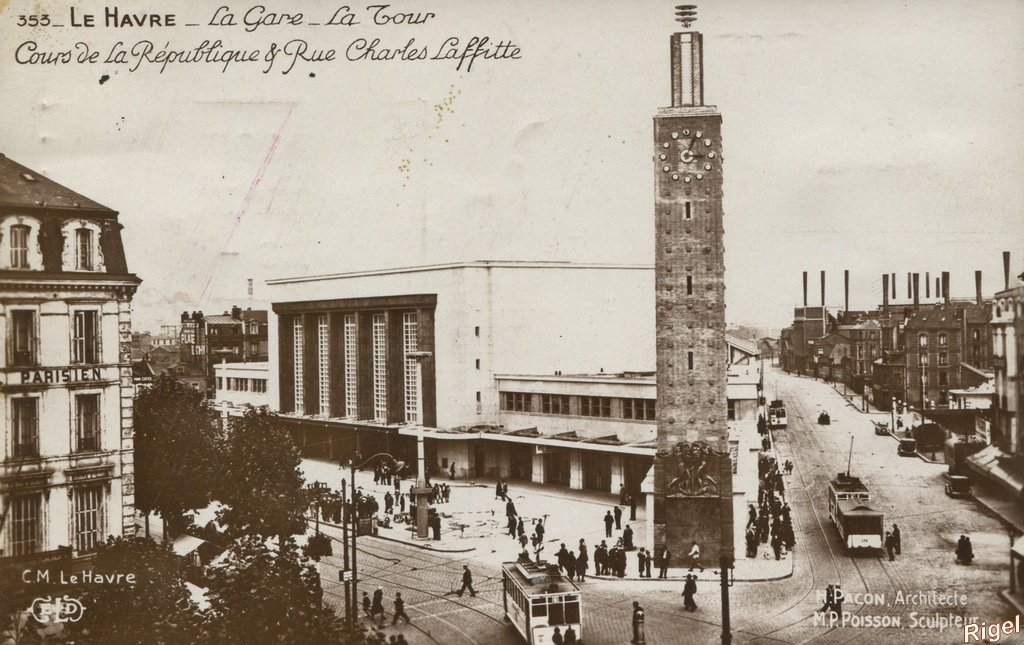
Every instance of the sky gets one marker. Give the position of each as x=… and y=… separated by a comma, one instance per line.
x=865, y=135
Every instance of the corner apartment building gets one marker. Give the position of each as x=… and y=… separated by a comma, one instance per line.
x=66, y=444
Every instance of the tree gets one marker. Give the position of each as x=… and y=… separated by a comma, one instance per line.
x=258, y=595
x=176, y=450
x=263, y=485
x=157, y=608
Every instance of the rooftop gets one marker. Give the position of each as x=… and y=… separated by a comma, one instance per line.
x=22, y=187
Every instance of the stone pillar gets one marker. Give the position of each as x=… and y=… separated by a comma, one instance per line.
x=618, y=476
x=649, y=521
x=504, y=464
x=537, y=476
x=575, y=469
x=127, y=392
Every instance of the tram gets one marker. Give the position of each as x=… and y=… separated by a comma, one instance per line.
x=776, y=415
x=859, y=523
x=538, y=599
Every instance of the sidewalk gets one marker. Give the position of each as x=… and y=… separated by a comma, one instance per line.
x=475, y=521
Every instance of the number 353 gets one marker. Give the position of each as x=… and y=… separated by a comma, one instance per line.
x=34, y=21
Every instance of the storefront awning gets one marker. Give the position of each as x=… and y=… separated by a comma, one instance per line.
x=994, y=464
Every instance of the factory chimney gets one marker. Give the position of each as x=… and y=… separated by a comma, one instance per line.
x=977, y=287
x=885, y=293
x=893, y=282
x=927, y=286
x=914, y=279
x=805, y=288
x=822, y=288
x=945, y=287
x=1006, y=270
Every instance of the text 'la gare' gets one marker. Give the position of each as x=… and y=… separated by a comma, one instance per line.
x=258, y=16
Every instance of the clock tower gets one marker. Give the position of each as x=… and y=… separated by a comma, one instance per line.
x=692, y=470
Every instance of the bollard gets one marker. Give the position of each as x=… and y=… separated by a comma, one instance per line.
x=638, y=626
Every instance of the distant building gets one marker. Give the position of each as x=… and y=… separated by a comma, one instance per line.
x=66, y=459
x=238, y=336
x=242, y=384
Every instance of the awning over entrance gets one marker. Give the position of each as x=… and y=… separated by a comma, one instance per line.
x=995, y=465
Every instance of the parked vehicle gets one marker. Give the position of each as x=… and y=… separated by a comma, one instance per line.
x=882, y=428
x=958, y=486
x=907, y=448
x=824, y=419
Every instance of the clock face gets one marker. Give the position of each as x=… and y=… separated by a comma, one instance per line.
x=688, y=156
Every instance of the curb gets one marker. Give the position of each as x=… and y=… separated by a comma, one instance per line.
x=426, y=546
x=677, y=579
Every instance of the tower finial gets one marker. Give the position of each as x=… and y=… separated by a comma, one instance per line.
x=686, y=14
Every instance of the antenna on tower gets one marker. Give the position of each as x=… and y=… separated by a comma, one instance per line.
x=686, y=14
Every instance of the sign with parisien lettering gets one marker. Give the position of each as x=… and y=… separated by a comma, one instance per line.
x=63, y=375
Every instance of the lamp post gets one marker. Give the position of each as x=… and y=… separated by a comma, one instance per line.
x=398, y=466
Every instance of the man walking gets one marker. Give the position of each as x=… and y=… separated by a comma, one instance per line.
x=451, y=469
x=608, y=522
x=399, y=609
x=641, y=558
x=689, y=588
x=663, y=562
x=695, y=557
x=467, y=581
x=897, y=540
x=632, y=508
x=890, y=546
x=618, y=519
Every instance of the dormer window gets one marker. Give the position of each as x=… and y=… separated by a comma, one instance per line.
x=83, y=250
x=19, y=246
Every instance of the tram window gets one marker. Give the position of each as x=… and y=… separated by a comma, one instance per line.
x=556, y=613
x=572, y=611
x=539, y=608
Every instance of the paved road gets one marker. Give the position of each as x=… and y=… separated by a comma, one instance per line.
x=908, y=490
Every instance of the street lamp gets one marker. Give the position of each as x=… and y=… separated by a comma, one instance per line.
x=398, y=466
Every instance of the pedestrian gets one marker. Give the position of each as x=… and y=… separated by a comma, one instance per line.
x=523, y=540
x=650, y=561
x=504, y=490
x=389, y=503
x=830, y=599
x=570, y=636
x=776, y=546
x=399, y=609
x=689, y=589
x=436, y=525
x=751, y=515
x=622, y=494
x=582, y=560
x=540, y=531
x=401, y=640
x=366, y=604
x=521, y=527
x=377, y=606
x=695, y=557
x=510, y=509
x=632, y=508
x=401, y=502
x=512, y=525
x=451, y=469
x=499, y=492
x=641, y=558
x=561, y=557
x=627, y=538
x=556, y=638
x=600, y=555
x=890, y=546
x=618, y=518
x=897, y=539
x=570, y=564
x=608, y=522
x=663, y=561
x=467, y=581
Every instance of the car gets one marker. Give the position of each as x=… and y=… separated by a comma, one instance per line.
x=958, y=486
x=907, y=448
x=824, y=419
x=882, y=428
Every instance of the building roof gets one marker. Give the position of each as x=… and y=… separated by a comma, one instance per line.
x=22, y=187
x=225, y=319
x=937, y=318
x=254, y=315
x=742, y=344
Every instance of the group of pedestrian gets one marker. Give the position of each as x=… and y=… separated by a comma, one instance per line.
x=374, y=636
x=383, y=474
x=610, y=561
x=964, y=550
x=568, y=638
x=440, y=493
x=574, y=565
x=501, y=490
x=375, y=607
x=770, y=522
x=611, y=520
x=393, y=501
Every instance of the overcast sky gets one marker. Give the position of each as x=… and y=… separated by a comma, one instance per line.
x=867, y=135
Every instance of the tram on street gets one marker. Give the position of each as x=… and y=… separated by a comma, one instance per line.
x=859, y=523
x=538, y=599
x=776, y=415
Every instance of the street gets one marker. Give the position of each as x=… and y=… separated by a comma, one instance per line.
x=908, y=490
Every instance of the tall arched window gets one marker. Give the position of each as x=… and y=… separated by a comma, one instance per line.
x=84, y=258
x=19, y=246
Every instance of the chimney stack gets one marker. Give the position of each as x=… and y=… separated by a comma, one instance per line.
x=927, y=286
x=805, y=288
x=846, y=290
x=910, y=286
x=822, y=288
x=977, y=286
x=885, y=292
x=914, y=277
x=893, y=282
x=938, y=287
x=1006, y=270
x=945, y=287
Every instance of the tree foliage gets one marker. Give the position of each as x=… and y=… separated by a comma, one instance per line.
x=156, y=609
x=259, y=595
x=176, y=449
x=263, y=486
